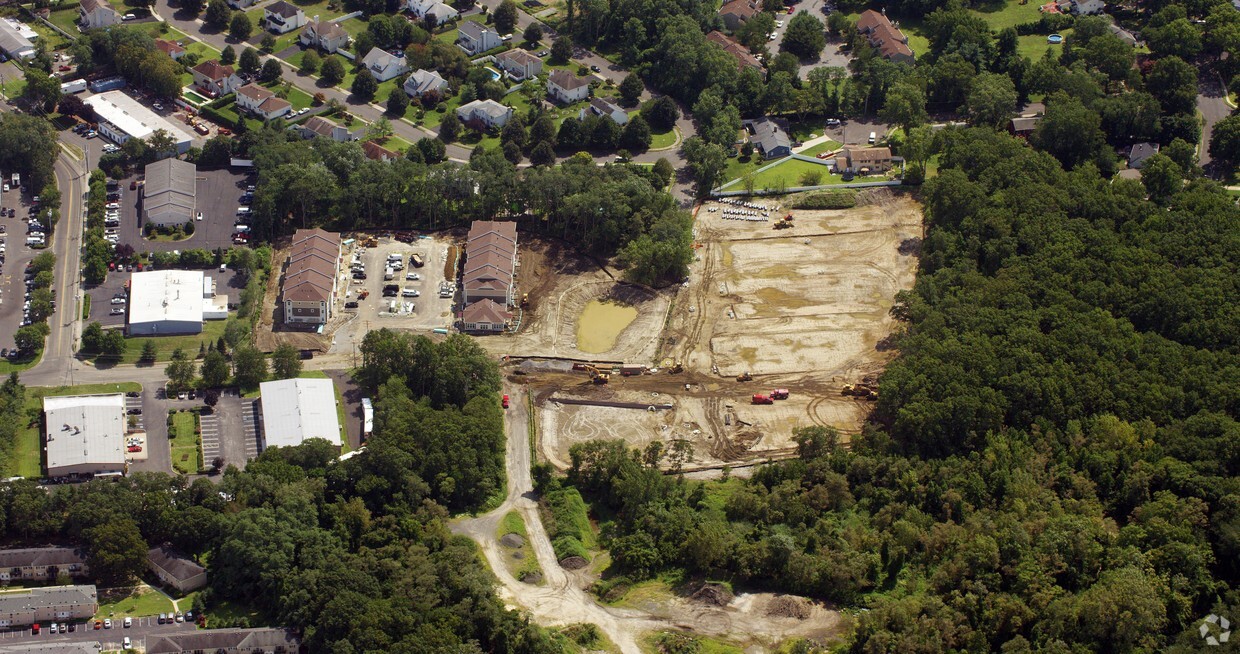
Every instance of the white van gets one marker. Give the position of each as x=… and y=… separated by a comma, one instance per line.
x=388, y=275
x=35, y=240
x=409, y=292
x=242, y=211
x=873, y=137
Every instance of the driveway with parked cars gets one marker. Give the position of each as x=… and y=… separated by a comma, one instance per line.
x=218, y=195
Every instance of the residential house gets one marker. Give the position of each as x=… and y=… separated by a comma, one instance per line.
x=421, y=82
x=94, y=14
x=262, y=102
x=485, y=316
x=744, y=58
x=384, y=65
x=310, y=277
x=283, y=17
x=518, y=64
x=484, y=114
x=170, y=48
x=865, y=160
x=884, y=37
x=605, y=107
x=242, y=4
x=1088, y=7
x=215, y=79
x=434, y=11
x=736, y=12
x=55, y=603
x=566, y=87
x=175, y=569
x=324, y=35
x=490, y=265
x=317, y=126
x=771, y=140
x=1130, y=38
x=1139, y=153
x=377, y=152
x=235, y=641
x=475, y=38
x=41, y=563
x=1023, y=126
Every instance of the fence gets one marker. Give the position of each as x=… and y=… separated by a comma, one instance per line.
x=797, y=189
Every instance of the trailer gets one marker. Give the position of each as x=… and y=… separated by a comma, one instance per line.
x=76, y=86
x=760, y=398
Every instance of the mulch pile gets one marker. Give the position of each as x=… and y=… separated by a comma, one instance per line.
x=785, y=606
x=713, y=594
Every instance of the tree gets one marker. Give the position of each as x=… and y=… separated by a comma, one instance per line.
x=432, y=150
x=664, y=171
x=117, y=551
x=707, y=161
x=272, y=71
x=228, y=56
x=41, y=90
x=193, y=7
x=268, y=43
x=905, y=106
x=806, y=36
x=218, y=14
x=631, y=88
x=505, y=17
x=310, y=62
x=991, y=101
x=249, y=366
x=512, y=152
x=364, y=85
x=285, y=362
x=248, y=62
x=636, y=134
x=30, y=337
x=1162, y=178
x=240, y=26
x=180, y=370
x=332, y=70
x=449, y=127
x=214, y=369
x=1174, y=83
x=1069, y=131
x=662, y=113
x=397, y=102
x=1225, y=140
x=533, y=33
x=542, y=154
x=148, y=351
x=562, y=50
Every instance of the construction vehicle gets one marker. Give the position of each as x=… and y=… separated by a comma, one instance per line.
x=597, y=376
x=525, y=300
x=862, y=391
x=781, y=225
x=744, y=377
x=779, y=394
x=760, y=398
x=676, y=368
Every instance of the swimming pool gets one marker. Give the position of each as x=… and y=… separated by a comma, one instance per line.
x=494, y=73
x=1054, y=38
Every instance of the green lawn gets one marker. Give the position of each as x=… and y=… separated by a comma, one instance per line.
x=13, y=87
x=1010, y=14
x=1034, y=46
x=51, y=37
x=354, y=26
x=65, y=19
x=166, y=345
x=228, y=614
x=86, y=307
x=825, y=146
x=134, y=602
x=27, y=458
x=186, y=444
x=663, y=139
x=786, y=174
x=740, y=166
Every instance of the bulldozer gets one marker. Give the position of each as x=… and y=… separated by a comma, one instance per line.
x=862, y=391
x=783, y=223
x=597, y=376
x=744, y=377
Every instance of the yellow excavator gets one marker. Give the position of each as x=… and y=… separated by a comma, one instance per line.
x=598, y=376
x=861, y=391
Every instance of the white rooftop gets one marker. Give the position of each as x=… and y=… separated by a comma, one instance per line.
x=132, y=117
x=295, y=410
x=165, y=295
x=85, y=429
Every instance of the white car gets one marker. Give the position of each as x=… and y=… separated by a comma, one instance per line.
x=6, y=187
x=128, y=17
x=779, y=23
x=117, y=311
x=299, y=112
x=198, y=216
x=413, y=277
x=118, y=300
x=128, y=622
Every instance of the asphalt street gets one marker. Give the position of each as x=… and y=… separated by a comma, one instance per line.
x=110, y=638
x=1212, y=103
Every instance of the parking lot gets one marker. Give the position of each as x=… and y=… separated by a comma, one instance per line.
x=229, y=431
x=16, y=255
x=109, y=639
x=101, y=296
x=217, y=195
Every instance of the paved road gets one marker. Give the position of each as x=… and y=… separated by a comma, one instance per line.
x=1212, y=103
x=109, y=638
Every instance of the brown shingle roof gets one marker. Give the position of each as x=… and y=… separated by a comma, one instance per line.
x=566, y=80
x=255, y=92
x=485, y=311
x=320, y=125
x=214, y=70
x=311, y=267
x=518, y=57
x=169, y=48
x=742, y=9
x=273, y=104
x=867, y=155
x=325, y=29
x=41, y=556
x=742, y=54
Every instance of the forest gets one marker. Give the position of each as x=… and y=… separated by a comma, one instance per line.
x=1053, y=462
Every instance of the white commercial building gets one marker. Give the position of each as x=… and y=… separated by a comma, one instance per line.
x=13, y=39
x=295, y=410
x=173, y=302
x=122, y=118
x=85, y=434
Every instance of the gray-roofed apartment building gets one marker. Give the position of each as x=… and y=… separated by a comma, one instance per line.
x=175, y=569
x=19, y=608
x=88, y=647
x=41, y=563
x=242, y=641
x=169, y=194
x=85, y=434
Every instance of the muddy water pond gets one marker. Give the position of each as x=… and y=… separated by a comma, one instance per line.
x=600, y=324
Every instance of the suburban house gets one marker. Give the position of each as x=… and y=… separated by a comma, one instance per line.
x=324, y=35
x=433, y=10
x=310, y=277
x=170, y=48
x=518, y=64
x=490, y=262
x=175, y=569
x=93, y=14
x=317, y=126
x=283, y=17
x=384, y=65
x=262, y=102
x=744, y=58
x=215, y=79
x=771, y=140
x=736, y=12
x=377, y=152
x=1088, y=7
x=566, y=87
x=605, y=107
x=863, y=160
x=242, y=4
x=884, y=37
x=485, y=316
x=234, y=641
x=41, y=564
x=421, y=82
x=475, y=38
x=484, y=114
x=1139, y=153
x=1023, y=126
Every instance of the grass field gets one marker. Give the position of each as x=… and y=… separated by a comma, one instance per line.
x=166, y=345
x=134, y=602
x=825, y=146
x=65, y=19
x=786, y=173
x=668, y=641
x=662, y=140
x=228, y=614
x=186, y=444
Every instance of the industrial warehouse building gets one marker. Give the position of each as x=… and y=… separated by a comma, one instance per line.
x=122, y=118
x=489, y=278
x=173, y=302
x=311, y=277
x=295, y=410
x=14, y=41
x=19, y=608
x=85, y=434
x=169, y=193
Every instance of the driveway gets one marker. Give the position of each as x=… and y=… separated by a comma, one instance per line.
x=228, y=431
x=1212, y=103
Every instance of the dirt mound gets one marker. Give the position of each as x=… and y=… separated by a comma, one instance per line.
x=531, y=578
x=512, y=541
x=713, y=594
x=786, y=606
x=574, y=563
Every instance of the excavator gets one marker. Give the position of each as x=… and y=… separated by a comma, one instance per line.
x=597, y=376
x=861, y=391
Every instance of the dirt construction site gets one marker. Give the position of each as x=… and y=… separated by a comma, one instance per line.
x=804, y=308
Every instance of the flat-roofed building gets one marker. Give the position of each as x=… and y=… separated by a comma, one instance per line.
x=13, y=42
x=85, y=434
x=168, y=197
x=41, y=563
x=311, y=277
x=87, y=647
x=122, y=118
x=173, y=302
x=296, y=410
x=19, y=608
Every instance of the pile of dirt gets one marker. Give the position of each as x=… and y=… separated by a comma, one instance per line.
x=574, y=563
x=512, y=541
x=531, y=578
x=787, y=606
x=713, y=594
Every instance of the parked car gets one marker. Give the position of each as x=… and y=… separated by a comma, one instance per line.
x=128, y=622
x=350, y=305
x=117, y=311
x=107, y=623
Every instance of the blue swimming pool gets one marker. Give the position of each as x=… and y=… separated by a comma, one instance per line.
x=1054, y=38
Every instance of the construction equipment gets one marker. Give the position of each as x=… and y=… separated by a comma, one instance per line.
x=862, y=391
x=783, y=223
x=760, y=398
x=597, y=376
x=525, y=300
x=779, y=394
x=676, y=368
x=744, y=377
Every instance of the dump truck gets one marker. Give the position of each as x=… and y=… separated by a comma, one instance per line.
x=760, y=398
x=677, y=368
x=744, y=377
x=779, y=394
x=416, y=260
x=781, y=225
x=863, y=391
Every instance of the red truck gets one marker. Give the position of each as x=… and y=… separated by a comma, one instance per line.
x=504, y=402
x=759, y=398
x=779, y=394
